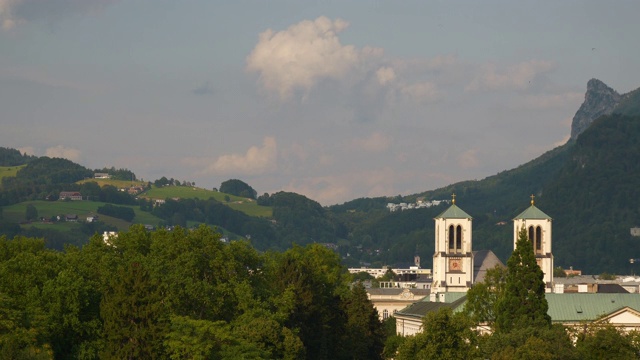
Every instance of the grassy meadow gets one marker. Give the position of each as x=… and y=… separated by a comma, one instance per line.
x=9, y=171
x=117, y=183
x=247, y=206
x=47, y=209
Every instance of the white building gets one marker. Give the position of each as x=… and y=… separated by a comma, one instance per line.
x=453, y=259
x=538, y=227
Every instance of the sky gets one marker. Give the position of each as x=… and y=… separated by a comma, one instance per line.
x=335, y=100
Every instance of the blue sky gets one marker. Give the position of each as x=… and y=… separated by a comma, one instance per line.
x=331, y=99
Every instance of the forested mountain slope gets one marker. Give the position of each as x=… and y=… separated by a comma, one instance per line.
x=589, y=186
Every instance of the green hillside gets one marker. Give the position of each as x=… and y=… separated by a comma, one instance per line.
x=47, y=209
x=245, y=205
x=9, y=171
x=120, y=184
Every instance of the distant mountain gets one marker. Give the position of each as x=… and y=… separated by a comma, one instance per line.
x=598, y=101
x=589, y=186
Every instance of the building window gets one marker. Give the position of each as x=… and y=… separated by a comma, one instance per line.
x=535, y=236
x=455, y=239
x=385, y=314
x=451, y=239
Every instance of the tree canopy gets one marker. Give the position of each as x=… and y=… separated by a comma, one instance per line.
x=180, y=294
x=238, y=188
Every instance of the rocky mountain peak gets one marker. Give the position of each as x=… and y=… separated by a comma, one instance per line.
x=598, y=100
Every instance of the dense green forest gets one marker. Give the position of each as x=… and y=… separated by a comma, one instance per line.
x=182, y=295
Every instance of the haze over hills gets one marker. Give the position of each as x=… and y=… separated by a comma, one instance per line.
x=588, y=186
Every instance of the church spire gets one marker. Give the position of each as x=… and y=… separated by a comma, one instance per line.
x=532, y=201
x=453, y=198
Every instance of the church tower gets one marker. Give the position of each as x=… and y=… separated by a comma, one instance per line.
x=538, y=227
x=452, y=260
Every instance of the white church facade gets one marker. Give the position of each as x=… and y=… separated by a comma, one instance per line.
x=454, y=268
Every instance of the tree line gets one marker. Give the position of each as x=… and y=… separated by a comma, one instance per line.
x=182, y=295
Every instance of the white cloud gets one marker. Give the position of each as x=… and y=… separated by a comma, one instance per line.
x=63, y=152
x=300, y=56
x=515, y=77
x=7, y=18
x=17, y=12
x=333, y=189
x=29, y=150
x=385, y=75
x=375, y=143
x=257, y=160
x=423, y=92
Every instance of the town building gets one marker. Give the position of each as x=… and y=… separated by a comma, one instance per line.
x=573, y=301
x=71, y=195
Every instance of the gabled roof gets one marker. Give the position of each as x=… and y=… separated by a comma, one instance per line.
x=611, y=289
x=422, y=308
x=532, y=213
x=483, y=260
x=577, y=307
x=454, y=212
x=396, y=291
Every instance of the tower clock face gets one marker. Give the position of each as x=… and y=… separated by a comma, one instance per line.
x=455, y=264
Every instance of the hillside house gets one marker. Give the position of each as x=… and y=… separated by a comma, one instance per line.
x=101, y=176
x=92, y=218
x=71, y=195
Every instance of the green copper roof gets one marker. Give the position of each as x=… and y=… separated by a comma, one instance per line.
x=563, y=308
x=453, y=212
x=577, y=307
x=421, y=308
x=533, y=213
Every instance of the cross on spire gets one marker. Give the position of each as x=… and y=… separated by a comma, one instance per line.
x=453, y=198
x=532, y=201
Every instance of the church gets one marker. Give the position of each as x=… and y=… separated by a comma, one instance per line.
x=454, y=261
x=456, y=267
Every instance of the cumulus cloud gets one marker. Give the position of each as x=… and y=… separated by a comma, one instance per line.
x=302, y=55
x=385, y=75
x=17, y=12
x=423, y=92
x=28, y=150
x=63, y=152
x=375, y=143
x=332, y=189
x=515, y=77
x=257, y=160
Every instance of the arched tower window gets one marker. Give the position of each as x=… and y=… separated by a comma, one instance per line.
x=535, y=236
x=451, y=239
x=538, y=242
x=459, y=238
x=531, y=235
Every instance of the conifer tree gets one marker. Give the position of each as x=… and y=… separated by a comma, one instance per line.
x=523, y=303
